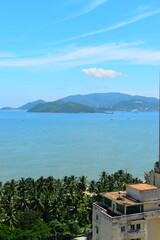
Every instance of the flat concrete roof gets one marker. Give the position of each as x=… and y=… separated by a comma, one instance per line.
x=120, y=198
x=143, y=186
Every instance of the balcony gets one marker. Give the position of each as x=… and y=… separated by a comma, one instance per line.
x=136, y=234
x=107, y=209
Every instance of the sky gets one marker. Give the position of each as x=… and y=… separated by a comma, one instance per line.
x=51, y=49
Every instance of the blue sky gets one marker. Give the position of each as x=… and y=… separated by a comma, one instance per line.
x=51, y=49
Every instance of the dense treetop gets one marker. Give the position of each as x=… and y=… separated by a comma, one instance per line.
x=50, y=207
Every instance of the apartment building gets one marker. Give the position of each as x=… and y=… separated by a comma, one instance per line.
x=130, y=215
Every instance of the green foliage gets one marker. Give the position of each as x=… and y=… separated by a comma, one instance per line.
x=114, y=182
x=4, y=232
x=59, y=229
x=37, y=230
x=147, y=177
x=41, y=229
x=28, y=219
x=55, y=208
x=157, y=164
x=63, y=107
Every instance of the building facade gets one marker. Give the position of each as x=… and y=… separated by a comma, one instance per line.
x=155, y=175
x=130, y=215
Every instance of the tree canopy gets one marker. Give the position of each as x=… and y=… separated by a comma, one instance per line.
x=48, y=208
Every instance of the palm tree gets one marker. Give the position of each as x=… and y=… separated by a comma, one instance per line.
x=103, y=182
x=82, y=183
x=8, y=205
x=92, y=186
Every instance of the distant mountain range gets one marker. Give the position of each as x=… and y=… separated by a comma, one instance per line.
x=31, y=105
x=97, y=102
x=27, y=106
x=135, y=105
x=63, y=107
x=105, y=99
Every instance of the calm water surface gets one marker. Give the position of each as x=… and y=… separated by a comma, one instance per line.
x=44, y=144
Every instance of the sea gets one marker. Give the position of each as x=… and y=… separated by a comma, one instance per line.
x=61, y=144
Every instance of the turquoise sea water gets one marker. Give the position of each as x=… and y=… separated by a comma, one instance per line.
x=44, y=144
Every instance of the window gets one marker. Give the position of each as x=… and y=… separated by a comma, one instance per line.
x=96, y=217
x=123, y=229
x=138, y=226
x=132, y=227
x=97, y=230
x=114, y=206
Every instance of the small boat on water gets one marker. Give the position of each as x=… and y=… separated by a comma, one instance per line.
x=109, y=112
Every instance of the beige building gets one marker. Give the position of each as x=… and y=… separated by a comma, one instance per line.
x=155, y=175
x=130, y=215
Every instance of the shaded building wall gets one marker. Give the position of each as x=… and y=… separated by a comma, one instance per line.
x=153, y=229
x=155, y=178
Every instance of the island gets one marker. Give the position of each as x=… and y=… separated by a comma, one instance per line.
x=63, y=107
x=91, y=103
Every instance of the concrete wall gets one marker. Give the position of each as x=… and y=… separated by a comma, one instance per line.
x=109, y=228
x=151, y=206
x=150, y=195
x=101, y=222
x=143, y=195
x=106, y=231
x=155, y=178
x=132, y=192
x=153, y=229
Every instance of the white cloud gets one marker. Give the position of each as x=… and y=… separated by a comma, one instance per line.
x=109, y=28
x=131, y=53
x=6, y=55
x=93, y=4
x=144, y=7
x=101, y=73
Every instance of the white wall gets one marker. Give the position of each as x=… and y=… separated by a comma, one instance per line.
x=143, y=195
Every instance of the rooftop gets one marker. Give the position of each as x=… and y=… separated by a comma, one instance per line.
x=143, y=186
x=107, y=209
x=129, y=197
x=120, y=197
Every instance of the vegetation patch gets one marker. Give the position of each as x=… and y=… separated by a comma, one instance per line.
x=49, y=208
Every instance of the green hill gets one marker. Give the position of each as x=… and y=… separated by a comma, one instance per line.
x=101, y=101
x=30, y=105
x=136, y=105
x=62, y=107
x=7, y=108
x=105, y=99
